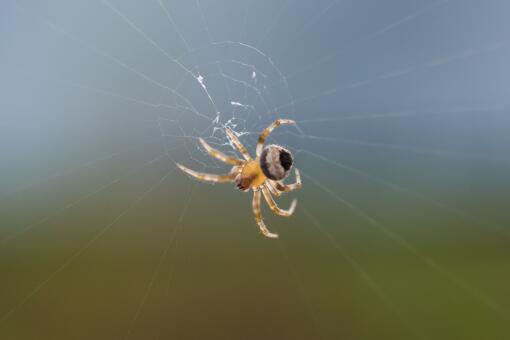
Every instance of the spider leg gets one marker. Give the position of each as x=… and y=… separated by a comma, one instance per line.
x=289, y=187
x=271, y=186
x=219, y=155
x=208, y=177
x=268, y=130
x=258, y=216
x=270, y=201
x=238, y=144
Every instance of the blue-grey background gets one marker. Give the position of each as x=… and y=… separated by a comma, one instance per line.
x=402, y=227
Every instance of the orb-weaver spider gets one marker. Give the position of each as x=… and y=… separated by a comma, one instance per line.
x=265, y=173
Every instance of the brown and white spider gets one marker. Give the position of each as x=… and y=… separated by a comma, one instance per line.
x=263, y=174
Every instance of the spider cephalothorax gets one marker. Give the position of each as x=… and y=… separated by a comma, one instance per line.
x=265, y=173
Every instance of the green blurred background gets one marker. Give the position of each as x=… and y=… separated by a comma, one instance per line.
x=402, y=226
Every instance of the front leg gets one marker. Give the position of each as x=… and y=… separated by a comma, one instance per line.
x=202, y=176
x=220, y=155
x=237, y=143
x=267, y=131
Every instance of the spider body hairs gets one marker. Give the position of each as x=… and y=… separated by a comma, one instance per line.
x=264, y=174
x=276, y=162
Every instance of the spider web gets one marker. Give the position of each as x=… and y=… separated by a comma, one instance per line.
x=218, y=84
x=235, y=95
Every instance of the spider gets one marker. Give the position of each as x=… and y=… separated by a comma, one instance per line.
x=265, y=173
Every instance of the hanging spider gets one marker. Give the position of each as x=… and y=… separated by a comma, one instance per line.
x=265, y=173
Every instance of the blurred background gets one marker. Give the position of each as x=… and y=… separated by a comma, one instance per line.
x=402, y=226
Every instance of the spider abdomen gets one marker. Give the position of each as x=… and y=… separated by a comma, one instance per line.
x=276, y=162
x=251, y=176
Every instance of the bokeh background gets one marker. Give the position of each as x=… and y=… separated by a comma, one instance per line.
x=402, y=227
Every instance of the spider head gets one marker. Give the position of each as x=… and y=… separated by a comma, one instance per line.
x=276, y=162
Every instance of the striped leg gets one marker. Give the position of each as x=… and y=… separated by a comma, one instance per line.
x=289, y=187
x=271, y=186
x=268, y=130
x=258, y=216
x=238, y=144
x=270, y=201
x=219, y=155
x=209, y=177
